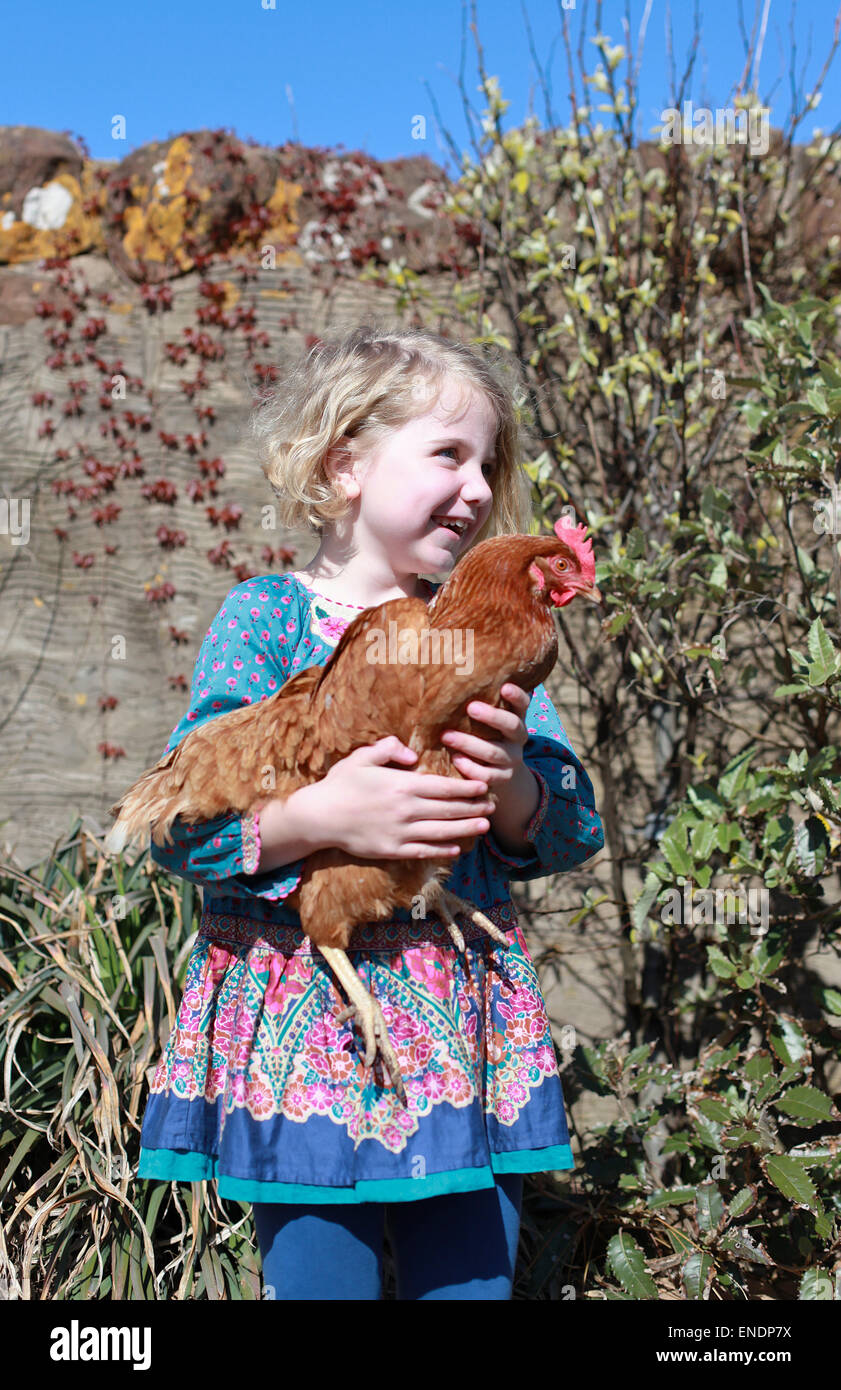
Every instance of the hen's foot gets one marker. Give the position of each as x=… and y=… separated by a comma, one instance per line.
x=369, y=1016
x=445, y=903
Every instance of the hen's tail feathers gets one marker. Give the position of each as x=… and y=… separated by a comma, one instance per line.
x=216, y=766
x=152, y=802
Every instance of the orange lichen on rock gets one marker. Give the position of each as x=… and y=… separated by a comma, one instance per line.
x=156, y=224
x=179, y=167
x=53, y=220
x=282, y=231
x=155, y=232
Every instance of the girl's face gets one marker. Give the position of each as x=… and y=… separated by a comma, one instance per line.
x=440, y=464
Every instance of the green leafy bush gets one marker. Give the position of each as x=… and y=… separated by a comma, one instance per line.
x=682, y=393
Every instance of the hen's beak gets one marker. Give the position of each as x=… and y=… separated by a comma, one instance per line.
x=594, y=594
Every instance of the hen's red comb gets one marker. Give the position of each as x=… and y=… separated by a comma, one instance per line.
x=576, y=536
x=577, y=539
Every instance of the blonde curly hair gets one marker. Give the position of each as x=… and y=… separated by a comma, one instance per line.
x=353, y=391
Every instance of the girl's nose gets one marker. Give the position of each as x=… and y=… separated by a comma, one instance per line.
x=476, y=489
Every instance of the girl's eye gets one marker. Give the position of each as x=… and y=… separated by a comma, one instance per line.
x=448, y=449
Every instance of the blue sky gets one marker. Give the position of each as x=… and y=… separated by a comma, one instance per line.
x=356, y=72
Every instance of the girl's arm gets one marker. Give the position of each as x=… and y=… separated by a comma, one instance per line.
x=565, y=828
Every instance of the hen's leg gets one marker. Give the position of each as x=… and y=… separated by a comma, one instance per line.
x=368, y=1014
x=445, y=903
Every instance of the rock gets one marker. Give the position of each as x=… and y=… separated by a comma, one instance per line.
x=170, y=204
x=48, y=196
x=354, y=209
x=200, y=193
x=21, y=290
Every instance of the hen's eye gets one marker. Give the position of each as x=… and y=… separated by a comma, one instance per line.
x=562, y=564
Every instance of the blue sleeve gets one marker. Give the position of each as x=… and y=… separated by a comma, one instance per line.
x=246, y=656
x=566, y=828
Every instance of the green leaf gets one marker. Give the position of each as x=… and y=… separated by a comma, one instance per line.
x=791, y=1178
x=639, y=911
x=726, y=834
x=824, y=1227
x=733, y=777
x=823, y=1152
x=628, y=1264
x=635, y=543
x=743, y=1245
x=773, y=1084
x=719, y=964
x=677, y=1144
x=787, y=1039
x=810, y=846
x=825, y=659
x=673, y=845
x=817, y=400
x=829, y=374
x=697, y=1273
x=831, y=1002
x=717, y=578
x=758, y=1066
x=703, y=837
x=715, y=1109
x=816, y=1284
x=740, y=1136
x=777, y=833
x=709, y=1206
x=708, y=1132
x=764, y=962
x=618, y=623
x=670, y=1196
x=707, y=801
x=742, y=1202
x=806, y=1105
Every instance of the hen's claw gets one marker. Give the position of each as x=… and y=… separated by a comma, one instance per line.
x=445, y=903
x=369, y=1016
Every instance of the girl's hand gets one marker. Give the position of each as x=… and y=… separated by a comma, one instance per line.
x=378, y=812
x=495, y=761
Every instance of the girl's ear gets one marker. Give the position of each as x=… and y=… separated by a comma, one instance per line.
x=339, y=466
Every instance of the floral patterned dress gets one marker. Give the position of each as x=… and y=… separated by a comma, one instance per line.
x=258, y=1085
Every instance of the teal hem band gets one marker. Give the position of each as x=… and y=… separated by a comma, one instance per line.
x=170, y=1165
x=370, y=1190
x=176, y=1166
x=550, y=1160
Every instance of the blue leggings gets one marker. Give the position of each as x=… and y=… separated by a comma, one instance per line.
x=462, y=1245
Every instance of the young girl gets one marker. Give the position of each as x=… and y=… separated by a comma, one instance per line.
x=376, y=441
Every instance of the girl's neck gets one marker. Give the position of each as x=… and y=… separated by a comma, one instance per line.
x=340, y=588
